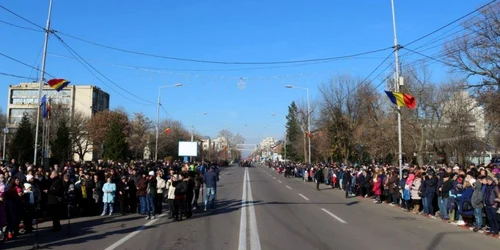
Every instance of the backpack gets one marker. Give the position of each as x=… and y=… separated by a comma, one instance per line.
x=467, y=206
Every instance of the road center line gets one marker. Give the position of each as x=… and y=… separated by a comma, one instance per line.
x=130, y=235
x=242, y=244
x=279, y=181
x=334, y=216
x=288, y=187
x=254, y=232
x=274, y=177
x=305, y=198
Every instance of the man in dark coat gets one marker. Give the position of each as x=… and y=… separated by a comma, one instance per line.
x=55, y=196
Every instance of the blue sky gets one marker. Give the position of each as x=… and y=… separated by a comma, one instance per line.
x=220, y=30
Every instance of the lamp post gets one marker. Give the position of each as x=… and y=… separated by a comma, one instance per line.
x=158, y=116
x=192, y=127
x=192, y=132
x=308, y=118
x=5, y=131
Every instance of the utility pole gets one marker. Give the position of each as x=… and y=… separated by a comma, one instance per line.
x=42, y=76
x=397, y=47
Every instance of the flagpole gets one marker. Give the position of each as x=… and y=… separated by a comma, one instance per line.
x=42, y=75
x=396, y=54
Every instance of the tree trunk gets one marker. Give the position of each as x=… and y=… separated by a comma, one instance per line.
x=420, y=156
x=305, y=148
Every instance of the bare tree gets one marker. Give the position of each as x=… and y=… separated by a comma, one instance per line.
x=476, y=53
x=81, y=143
x=139, y=136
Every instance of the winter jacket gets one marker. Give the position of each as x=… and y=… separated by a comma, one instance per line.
x=477, y=195
x=466, y=196
x=490, y=194
x=109, y=190
x=415, y=187
x=161, y=185
x=430, y=186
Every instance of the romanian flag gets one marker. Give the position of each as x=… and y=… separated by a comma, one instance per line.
x=402, y=99
x=58, y=84
x=167, y=130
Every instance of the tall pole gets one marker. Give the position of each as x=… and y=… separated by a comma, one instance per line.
x=309, y=125
x=157, y=125
x=4, y=139
x=397, y=87
x=42, y=75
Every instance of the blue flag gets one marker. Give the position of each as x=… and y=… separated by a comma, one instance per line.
x=44, y=106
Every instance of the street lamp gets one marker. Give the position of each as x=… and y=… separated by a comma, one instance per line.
x=5, y=131
x=192, y=132
x=158, y=116
x=192, y=127
x=308, y=118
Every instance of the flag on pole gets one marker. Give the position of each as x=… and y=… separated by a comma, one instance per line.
x=58, y=84
x=45, y=106
x=402, y=99
x=167, y=131
x=308, y=134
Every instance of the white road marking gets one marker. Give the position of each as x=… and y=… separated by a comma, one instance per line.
x=274, y=177
x=130, y=235
x=288, y=187
x=305, y=198
x=279, y=181
x=242, y=245
x=334, y=216
x=254, y=232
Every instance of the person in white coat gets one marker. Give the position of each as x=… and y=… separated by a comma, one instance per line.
x=108, y=198
x=161, y=187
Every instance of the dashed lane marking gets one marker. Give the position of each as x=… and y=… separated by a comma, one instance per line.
x=305, y=198
x=334, y=216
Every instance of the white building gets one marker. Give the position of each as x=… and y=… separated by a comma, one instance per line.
x=267, y=143
x=462, y=102
x=219, y=143
x=84, y=99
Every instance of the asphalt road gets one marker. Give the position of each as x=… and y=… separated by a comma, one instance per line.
x=259, y=209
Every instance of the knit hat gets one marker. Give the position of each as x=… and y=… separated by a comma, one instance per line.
x=151, y=173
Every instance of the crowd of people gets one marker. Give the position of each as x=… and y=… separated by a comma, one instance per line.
x=462, y=195
x=28, y=193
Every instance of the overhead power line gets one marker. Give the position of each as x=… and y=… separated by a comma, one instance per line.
x=371, y=73
x=25, y=64
x=23, y=18
x=449, y=24
x=224, y=62
x=88, y=66
x=17, y=76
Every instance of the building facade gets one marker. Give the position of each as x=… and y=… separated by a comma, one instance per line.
x=84, y=99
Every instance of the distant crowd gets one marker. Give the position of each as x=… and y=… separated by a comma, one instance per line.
x=28, y=193
x=462, y=195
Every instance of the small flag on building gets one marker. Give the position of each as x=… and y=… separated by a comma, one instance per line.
x=167, y=131
x=58, y=84
x=402, y=99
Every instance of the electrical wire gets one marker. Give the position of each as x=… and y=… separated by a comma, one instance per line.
x=371, y=73
x=223, y=62
x=16, y=76
x=430, y=57
x=20, y=27
x=25, y=64
x=73, y=52
x=449, y=24
x=21, y=17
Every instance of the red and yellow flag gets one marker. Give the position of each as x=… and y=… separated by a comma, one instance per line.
x=58, y=84
x=167, y=131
